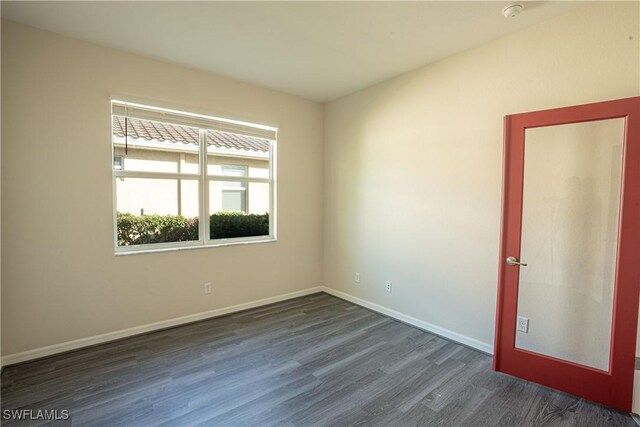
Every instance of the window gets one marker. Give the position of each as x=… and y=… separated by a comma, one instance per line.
x=189, y=180
x=234, y=193
x=118, y=162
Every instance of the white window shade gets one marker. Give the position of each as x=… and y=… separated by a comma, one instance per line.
x=126, y=109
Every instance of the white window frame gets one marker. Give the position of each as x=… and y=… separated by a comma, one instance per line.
x=204, y=123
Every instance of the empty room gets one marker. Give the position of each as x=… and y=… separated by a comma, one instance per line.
x=320, y=213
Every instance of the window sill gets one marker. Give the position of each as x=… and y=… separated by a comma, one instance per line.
x=120, y=251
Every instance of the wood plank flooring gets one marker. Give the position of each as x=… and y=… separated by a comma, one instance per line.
x=315, y=360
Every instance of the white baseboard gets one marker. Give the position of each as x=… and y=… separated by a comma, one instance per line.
x=50, y=350
x=421, y=324
x=37, y=353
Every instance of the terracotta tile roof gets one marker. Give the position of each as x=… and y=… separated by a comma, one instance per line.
x=151, y=130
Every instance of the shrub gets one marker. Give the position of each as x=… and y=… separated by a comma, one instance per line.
x=224, y=225
x=147, y=229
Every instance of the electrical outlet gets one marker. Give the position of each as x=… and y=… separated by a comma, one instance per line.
x=523, y=324
x=357, y=278
x=387, y=286
x=207, y=288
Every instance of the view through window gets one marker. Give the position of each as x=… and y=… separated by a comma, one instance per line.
x=183, y=180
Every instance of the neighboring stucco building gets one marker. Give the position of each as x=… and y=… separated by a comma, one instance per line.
x=150, y=146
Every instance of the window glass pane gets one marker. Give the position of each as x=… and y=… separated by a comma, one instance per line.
x=570, y=214
x=156, y=210
x=238, y=209
x=234, y=170
x=118, y=163
x=231, y=154
x=234, y=198
x=150, y=146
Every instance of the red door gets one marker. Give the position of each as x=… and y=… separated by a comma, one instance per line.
x=569, y=274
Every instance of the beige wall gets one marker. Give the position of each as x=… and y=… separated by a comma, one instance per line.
x=61, y=280
x=413, y=166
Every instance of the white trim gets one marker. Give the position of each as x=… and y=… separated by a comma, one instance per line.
x=203, y=185
x=193, y=244
x=50, y=350
x=420, y=324
x=158, y=247
x=273, y=189
x=114, y=185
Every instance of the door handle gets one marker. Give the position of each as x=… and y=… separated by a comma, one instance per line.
x=514, y=261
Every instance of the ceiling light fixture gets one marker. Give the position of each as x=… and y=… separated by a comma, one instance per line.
x=512, y=10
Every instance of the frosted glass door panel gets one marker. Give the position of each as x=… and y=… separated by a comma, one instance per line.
x=570, y=211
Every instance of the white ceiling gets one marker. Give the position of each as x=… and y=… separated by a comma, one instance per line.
x=317, y=50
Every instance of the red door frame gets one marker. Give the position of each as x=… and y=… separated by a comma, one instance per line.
x=615, y=387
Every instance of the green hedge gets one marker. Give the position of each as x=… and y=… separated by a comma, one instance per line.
x=147, y=229
x=224, y=225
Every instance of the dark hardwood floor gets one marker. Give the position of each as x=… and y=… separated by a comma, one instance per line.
x=315, y=360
